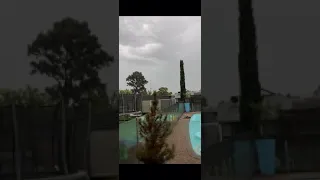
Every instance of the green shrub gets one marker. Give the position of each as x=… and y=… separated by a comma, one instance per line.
x=154, y=131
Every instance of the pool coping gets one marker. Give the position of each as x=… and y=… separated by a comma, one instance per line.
x=190, y=149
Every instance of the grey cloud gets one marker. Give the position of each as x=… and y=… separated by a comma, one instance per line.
x=166, y=31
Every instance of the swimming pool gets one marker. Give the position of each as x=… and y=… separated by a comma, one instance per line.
x=195, y=133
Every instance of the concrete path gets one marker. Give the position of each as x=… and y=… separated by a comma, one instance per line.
x=180, y=138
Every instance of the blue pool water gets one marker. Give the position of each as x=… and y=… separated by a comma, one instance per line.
x=195, y=133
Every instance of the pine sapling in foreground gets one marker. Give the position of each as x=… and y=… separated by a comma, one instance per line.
x=154, y=131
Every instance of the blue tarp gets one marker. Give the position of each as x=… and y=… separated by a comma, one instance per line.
x=243, y=152
x=266, y=154
x=187, y=107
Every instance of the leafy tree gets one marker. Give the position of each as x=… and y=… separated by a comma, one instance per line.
x=250, y=88
x=28, y=97
x=32, y=96
x=154, y=131
x=182, y=82
x=71, y=55
x=188, y=94
x=149, y=93
x=137, y=81
x=163, y=91
x=126, y=91
x=7, y=97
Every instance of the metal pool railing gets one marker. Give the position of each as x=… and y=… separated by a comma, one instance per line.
x=174, y=112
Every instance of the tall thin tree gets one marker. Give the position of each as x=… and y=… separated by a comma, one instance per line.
x=182, y=82
x=250, y=88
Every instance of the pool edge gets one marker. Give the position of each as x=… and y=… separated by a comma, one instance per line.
x=190, y=149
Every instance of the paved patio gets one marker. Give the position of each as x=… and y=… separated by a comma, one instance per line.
x=180, y=138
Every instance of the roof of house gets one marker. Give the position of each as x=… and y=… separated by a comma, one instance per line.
x=306, y=103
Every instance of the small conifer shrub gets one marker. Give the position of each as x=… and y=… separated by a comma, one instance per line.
x=154, y=131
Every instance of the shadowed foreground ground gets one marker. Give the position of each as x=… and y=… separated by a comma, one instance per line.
x=291, y=176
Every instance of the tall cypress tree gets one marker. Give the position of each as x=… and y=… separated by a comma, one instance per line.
x=182, y=82
x=250, y=88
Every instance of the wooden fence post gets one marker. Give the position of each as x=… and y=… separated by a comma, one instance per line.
x=87, y=143
x=63, y=140
x=17, y=154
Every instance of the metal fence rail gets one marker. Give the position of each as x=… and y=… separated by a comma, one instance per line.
x=195, y=107
x=30, y=138
x=218, y=160
x=130, y=103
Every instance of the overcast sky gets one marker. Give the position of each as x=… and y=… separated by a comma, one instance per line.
x=288, y=33
x=288, y=44
x=155, y=45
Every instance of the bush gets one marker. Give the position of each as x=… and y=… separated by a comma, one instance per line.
x=154, y=131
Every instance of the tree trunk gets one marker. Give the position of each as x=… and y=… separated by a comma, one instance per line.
x=17, y=154
x=86, y=154
x=64, y=137
x=70, y=145
x=58, y=132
